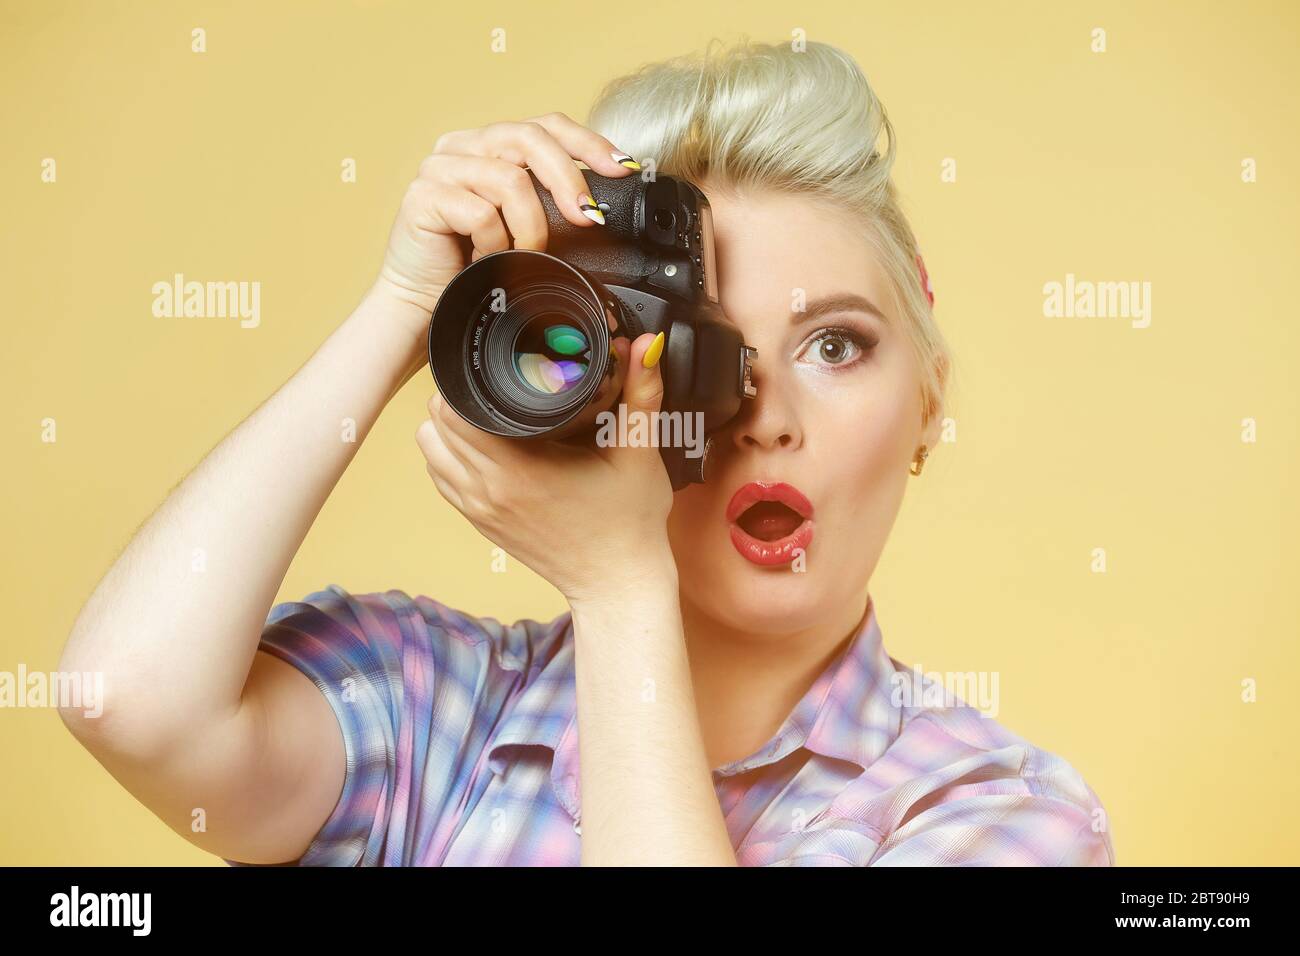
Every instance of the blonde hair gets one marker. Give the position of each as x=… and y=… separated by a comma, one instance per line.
x=769, y=116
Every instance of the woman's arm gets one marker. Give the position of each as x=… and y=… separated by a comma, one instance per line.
x=194, y=718
x=190, y=720
x=647, y=790
x=592, y=521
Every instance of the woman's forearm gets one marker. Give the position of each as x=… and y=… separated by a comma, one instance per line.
x=174, y=624
x=647, y=791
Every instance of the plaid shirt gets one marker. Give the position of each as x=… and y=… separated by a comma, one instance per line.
x=462, y=750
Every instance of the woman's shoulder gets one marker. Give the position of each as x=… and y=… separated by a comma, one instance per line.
x=966, y=742
x=957, y=784
x=395, y=617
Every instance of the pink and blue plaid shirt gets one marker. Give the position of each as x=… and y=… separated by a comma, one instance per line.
x=462, y=750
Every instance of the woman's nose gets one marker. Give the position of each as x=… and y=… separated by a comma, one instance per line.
x=766, y=421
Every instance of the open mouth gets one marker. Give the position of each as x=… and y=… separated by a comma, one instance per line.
x=771, y=522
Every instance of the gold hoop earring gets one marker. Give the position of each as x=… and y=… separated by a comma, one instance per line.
x=919, y=461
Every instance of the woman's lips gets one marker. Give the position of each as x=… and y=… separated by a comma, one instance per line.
x=781, y=550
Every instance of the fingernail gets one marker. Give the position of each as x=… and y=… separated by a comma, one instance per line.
x=623, y=159
x=651, y=357
x=590, y=209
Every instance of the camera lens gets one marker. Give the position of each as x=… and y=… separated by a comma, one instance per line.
x=551, y=355
x=520, y=344
x=537, y=353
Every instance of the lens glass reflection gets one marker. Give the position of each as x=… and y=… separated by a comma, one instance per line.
x=551, y=355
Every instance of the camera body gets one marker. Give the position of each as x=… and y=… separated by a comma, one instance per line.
x=519, y=341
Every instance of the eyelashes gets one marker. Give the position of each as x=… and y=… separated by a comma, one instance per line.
x=835, y=348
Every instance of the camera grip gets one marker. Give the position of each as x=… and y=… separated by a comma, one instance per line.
x=620, y=200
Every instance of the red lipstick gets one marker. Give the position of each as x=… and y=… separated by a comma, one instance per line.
x=770, y=522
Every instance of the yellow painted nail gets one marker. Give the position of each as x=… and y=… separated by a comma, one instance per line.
x=590, y=209
x=624, y=160
x=651, y=357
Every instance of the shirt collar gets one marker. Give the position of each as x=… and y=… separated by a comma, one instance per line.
x=849, y=713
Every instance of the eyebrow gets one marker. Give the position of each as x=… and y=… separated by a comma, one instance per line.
x=837, y=302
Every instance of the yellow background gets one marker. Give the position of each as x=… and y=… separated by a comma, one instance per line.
x=1072, y=434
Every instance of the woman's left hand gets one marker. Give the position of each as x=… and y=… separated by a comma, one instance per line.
x=587, y=519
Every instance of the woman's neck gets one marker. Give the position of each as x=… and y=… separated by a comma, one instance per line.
x=746, y=685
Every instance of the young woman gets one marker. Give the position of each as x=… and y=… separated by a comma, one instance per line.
x=718, y=692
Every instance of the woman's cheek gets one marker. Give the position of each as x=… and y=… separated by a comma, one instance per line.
x=884, y=407
x=879, y=462
x=689, y=520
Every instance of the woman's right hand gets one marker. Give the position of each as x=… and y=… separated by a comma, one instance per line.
x=475, y=185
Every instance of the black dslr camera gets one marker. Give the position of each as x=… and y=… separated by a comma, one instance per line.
x=519, y=342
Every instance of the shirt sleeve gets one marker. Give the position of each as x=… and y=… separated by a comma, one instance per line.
x=370, y=655
x=999, y=830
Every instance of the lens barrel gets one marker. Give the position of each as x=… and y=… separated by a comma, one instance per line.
x=520, y=343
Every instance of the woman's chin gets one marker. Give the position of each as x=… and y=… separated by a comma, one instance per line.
x=754, y=598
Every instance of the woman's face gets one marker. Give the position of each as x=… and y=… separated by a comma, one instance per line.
x=837, y=416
